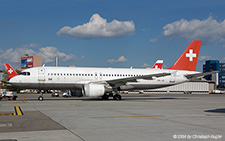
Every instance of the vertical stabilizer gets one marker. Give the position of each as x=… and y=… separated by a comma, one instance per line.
x=158, y=64
x=11, y=72
x=188, y=60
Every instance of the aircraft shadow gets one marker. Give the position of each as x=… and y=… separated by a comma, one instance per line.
x=110, y=99
x=222, y=110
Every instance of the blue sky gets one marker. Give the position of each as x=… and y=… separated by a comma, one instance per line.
x=113, y=33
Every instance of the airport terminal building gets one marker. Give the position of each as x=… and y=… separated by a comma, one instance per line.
x=215, y=65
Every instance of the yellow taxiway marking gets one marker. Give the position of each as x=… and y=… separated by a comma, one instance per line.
x=77, y=105
x=6, y=114
x=127, y=116
x=18, y=110
x=24, y=101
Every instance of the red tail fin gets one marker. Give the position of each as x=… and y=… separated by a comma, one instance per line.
x=188, y=60
x=10, y=71
x=158, y=64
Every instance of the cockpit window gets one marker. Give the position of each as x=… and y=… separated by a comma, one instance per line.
x=25, y=73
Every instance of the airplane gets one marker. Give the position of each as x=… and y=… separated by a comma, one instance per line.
x=106, y=82
x=11, y=72
x=158, y=64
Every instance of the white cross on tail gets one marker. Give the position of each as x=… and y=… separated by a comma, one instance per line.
x=191, y=55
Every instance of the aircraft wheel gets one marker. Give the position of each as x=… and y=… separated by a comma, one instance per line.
x=117, y=97
x=14, y=98
x=40, y=98
x=105, y=97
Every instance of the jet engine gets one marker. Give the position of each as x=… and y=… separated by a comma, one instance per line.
x=92, y=90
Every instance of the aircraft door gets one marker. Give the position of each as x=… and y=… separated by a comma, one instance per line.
x=41, y=74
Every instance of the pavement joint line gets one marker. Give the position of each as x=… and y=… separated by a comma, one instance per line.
x=77, y=105
x=127, y=116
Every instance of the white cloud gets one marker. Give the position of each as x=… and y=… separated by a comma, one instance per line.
x=119, y=60
x=208, y=30
x=49, y=53
x=13, y=55
x=204, y=58
x=153, y=40
x=98, y=27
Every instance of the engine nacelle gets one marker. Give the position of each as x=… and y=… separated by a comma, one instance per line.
x=94, y=90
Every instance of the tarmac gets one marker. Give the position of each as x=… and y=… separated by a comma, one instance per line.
x=142, y=117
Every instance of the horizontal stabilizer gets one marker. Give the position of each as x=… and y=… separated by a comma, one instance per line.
x=189, y=76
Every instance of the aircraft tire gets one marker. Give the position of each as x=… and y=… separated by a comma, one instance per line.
x=105, y=97
x=40, y=98
x=14, y=98
x=117, y=97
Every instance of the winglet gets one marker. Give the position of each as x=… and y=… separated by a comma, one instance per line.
x=188, y=60
x=10, y=71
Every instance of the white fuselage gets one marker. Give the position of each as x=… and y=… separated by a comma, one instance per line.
x=71, y=78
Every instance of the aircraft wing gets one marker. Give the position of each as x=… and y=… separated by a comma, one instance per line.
x=189, y=76
x=121, y=81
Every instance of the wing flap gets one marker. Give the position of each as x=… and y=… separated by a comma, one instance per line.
x=134, y=79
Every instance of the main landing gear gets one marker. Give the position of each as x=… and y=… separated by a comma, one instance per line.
x=116, y=96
